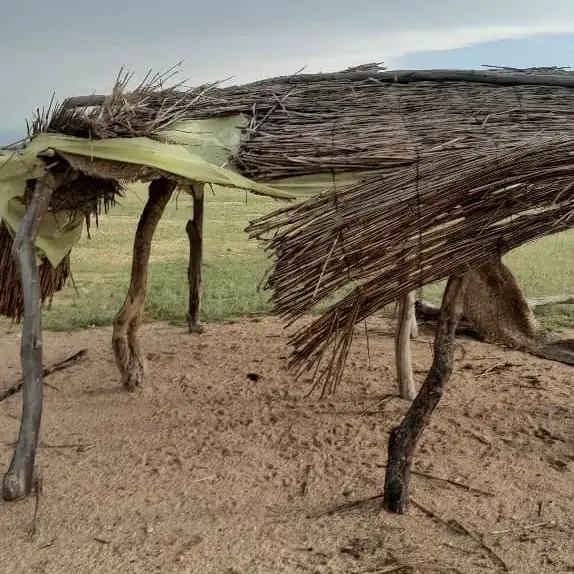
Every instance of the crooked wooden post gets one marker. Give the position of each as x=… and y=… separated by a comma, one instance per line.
x=18, y=481
x=194, y=230
x=125, y=343
x=405, y=377
x=414, y=324
x=404, y=438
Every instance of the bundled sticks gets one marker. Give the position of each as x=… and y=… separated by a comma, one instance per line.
x=11, y=297
x=354, y=121
x=391, y=234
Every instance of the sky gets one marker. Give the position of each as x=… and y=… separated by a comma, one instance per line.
x=70, y=50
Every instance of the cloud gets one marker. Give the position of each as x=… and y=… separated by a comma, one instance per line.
x=73, y=51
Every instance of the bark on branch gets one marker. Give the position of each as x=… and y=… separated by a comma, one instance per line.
x=194, y=230
x=426, y=311
x=405, y=376
x=18, y=480
x=407, y=76
x=84, y=101
x=60, y=366
x=551, y=300
x=404, y=438
x=125, y=343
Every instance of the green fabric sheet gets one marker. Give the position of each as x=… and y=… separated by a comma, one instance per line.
x=197, y=150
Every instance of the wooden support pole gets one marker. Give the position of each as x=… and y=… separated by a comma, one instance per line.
x=414, y=324
x=405, y=377
x=194, y=230
x=125, y=343
x=404, y=438
x=18, y=480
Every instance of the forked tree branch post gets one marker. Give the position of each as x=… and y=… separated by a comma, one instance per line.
x=194, y=230
x=404, y=438
x=405, y=376
x=125, y=343
x=18, y=480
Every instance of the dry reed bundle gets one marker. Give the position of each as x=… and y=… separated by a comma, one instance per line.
x=391, y=234
x=85, y=194
x=142, y=112
x=352, y=121
x=347, y=125
x=11, y=300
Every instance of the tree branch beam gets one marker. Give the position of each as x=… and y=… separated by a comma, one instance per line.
x=18, y=481
x=125, y=342
x=404, y=438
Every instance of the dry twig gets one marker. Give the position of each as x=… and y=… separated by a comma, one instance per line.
x=454, y=483
x=305, y=481
x=345, y=507
x=480, y=540
x=458, y=528
x=522, y=528
x=60, y=366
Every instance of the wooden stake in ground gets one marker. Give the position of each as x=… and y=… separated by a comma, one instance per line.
x=18, y=481
x=404, y=438
x=125, y=343
x=414, y=324
x=194, y=230
x=403, y=362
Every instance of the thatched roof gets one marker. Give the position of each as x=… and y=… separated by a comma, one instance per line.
x=388, y=235
x=349, y=121
x=357, y=123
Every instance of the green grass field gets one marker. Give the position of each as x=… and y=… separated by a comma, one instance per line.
x=233, y=265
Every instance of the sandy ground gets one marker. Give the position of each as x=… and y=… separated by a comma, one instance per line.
x=223, y=466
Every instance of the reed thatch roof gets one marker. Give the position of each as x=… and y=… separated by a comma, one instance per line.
x=352, y=121
x=390, y=234
x=316, y=129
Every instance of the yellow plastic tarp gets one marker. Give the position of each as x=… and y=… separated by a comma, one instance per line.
x=214, y=140
x=305, y=186
x=204, y=145
x=57, y=233
x=197, y=150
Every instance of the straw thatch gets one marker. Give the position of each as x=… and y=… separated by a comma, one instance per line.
x=350, y=121
x=86, y=195
x=362, y=119
x=142, y=112
x=11, y=299
x=391, y=234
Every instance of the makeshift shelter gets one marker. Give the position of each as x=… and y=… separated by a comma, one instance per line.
x=450, y=212
x=368, y=131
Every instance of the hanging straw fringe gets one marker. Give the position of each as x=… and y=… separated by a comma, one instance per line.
x=86, y=195
x=11, y=300
x=417, y=226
